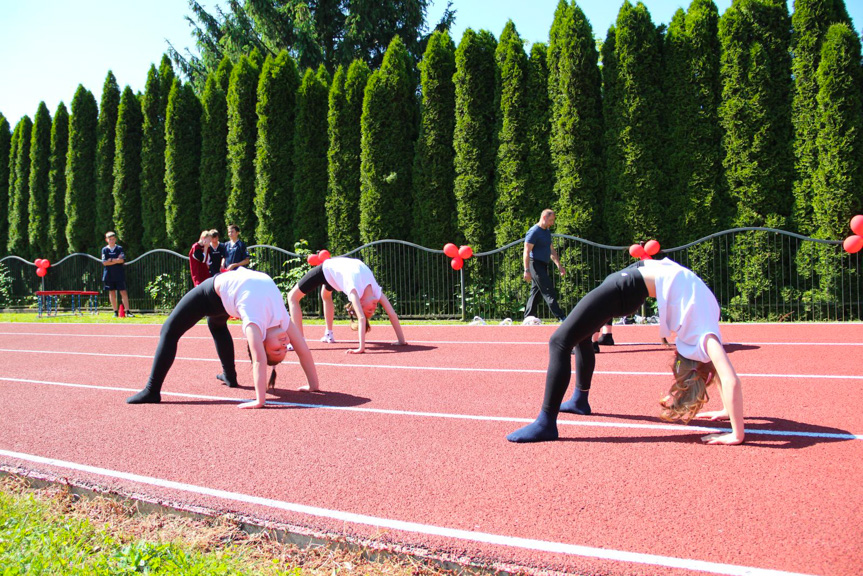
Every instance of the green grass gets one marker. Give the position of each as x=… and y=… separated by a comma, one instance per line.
x=35, y=539
x=157, y=318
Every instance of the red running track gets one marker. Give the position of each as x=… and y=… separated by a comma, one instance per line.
x=405, y=448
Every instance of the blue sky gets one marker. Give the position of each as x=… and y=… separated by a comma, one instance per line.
x=48, y=47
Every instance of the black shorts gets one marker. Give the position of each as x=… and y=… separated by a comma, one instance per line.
x=313, y=279
x=115, y=285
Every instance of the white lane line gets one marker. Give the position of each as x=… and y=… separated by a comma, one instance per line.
x=445, y=342
x=442, y=368
x=414, y=527
x=445, y=415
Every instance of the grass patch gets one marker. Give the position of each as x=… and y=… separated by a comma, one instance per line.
x=158, y=318
x=51, y=531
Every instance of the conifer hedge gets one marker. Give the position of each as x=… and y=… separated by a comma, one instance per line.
x=343, y=156
x=107, y=134
x=153, y=165
x=57, y=243
x=242, y=136
x=80, y=200
x=540, y=182
x=19, y=189
x=40, y=165
x=127, y=173
x=310, y=154
x=215, y=177
x=5, y=150
x=182, y=166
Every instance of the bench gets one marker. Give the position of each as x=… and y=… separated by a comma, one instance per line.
x=49, y=299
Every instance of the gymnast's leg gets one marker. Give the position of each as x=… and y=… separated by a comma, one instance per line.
x=194, y=306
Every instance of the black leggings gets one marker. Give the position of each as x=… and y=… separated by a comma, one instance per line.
x=201, y=301
x=620, y=294
x=313, y=279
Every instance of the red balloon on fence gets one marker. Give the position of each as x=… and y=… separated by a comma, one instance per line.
x=313, y=259
x=465, y=252
x=323, y=255
x=40, y=272
x=457, y=263
x=651, y=247
x=46, y=263
x=857, y=225
x=853, y=244
x=637, y=251
x=451, y=250
x=38, y=262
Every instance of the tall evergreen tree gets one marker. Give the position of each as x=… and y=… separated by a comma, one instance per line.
x=637, y=198
x=5, y=151
x=182, y=165
x=838, y=181
x=809, y=23
x=755, y=110
x=274, y=162
x=81, y=173
x=107, y=132
x=215, y=177
x=127, y=173
x=57, y=183
x=513, y=214
x=343, y=157
x=474, y=138
x=389, y=125
x=692, y=92
x=540, y=183
x=242, y=135
x=612, y=115
x=153, y=165
x=574, y=88
x=166, y=82
x=19, y=190
x=434, y=171
x=40, y=167
x=310, y=145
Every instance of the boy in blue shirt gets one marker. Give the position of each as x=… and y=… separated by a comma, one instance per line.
x=113, y=273
x=235, y=250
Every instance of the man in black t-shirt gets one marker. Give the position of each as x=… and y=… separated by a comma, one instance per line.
x=113, y=273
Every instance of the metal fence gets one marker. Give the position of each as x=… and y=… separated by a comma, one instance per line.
x=756, y=274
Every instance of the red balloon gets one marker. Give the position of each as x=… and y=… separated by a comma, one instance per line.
x=457, y=263
x=637, y=251
x=323, y=255
x=853, y=244
x=313, y=259
x=465, y=252
x=651, y=247
x=46, y=263
x=38, y=262
x=857, y=225
x=451, y=250
x=40, y=272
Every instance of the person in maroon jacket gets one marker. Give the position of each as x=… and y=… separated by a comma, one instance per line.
x=199, y=258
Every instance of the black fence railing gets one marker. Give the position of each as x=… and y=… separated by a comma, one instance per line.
x=757, y=274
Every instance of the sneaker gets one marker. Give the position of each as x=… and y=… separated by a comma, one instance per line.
x=596, y=347
x=328, y=337
x=129, y=315
x=116, y=314
x=531, y=321
x=606, y=340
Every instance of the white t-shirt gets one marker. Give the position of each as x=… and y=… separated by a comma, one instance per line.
x=687, y=307
x=254, y=298
x=347, y=274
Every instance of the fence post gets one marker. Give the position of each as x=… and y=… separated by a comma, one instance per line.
x=461, y=273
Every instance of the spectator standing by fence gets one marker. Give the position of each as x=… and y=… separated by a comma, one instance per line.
x=217, y=253
x=114, y=273
x=199, y=258
x=538, y=250
x=236, y=254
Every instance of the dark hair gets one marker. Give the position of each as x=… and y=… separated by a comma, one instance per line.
x=234, y=227
x=271, y=383
x=355, y=324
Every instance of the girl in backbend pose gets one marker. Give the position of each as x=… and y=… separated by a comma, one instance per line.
x=250, y=296
x=356, y=280
x=687, y=307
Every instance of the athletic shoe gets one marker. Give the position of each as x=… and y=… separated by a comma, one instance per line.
x=116, y=314
x=129, y=315
x=328, y=337
x=596, y=347
x=606, y=340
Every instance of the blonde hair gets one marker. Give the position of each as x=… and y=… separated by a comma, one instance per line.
x=355, y=323
x=688, y=394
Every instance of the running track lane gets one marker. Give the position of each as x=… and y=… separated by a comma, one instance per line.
x=796, y=504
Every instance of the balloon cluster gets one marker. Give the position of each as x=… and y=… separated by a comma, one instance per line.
x=42, y=266
x=318, y=259
x=650, y=248
x=854, y=244
x=458, y=255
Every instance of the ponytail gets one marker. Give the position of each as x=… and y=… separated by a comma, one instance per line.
x=271, y=384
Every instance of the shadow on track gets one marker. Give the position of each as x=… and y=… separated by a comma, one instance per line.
x=375, y=347
x=761, y=432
